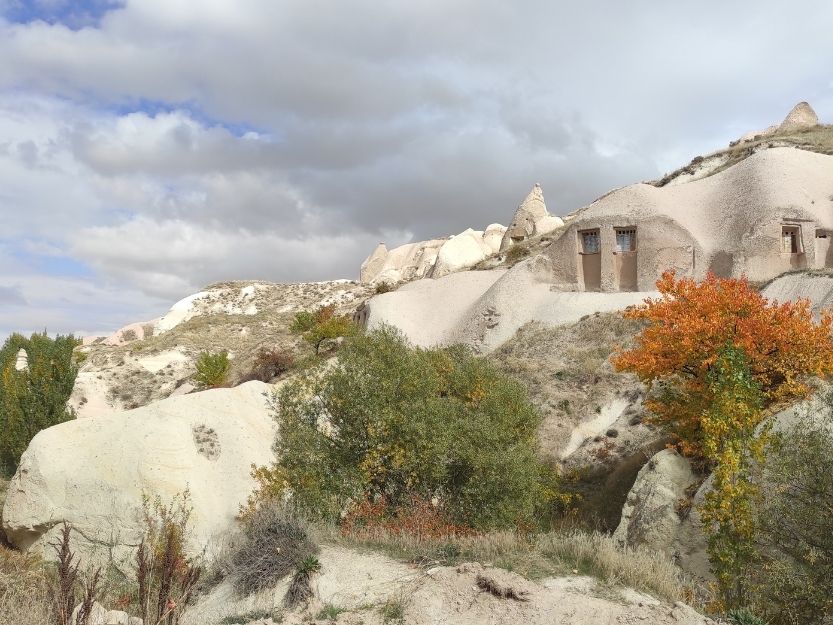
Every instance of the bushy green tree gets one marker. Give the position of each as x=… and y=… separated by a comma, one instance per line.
x=731, y=445
x=322, y=325
x=794, y=583
x=212, y=369
x=392, y=422
x=35, y=398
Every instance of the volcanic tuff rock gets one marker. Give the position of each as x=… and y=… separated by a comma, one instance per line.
x=802, y=115
x=530, y=219
x=93, y=473
x=146, y=362
x=439, y=257
x=651, y=516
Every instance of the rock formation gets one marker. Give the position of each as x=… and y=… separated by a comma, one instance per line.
x=439, y=257
x=94, y=472
x=411, y=261
x=158, y=358
x=467, y=249
x=22, y=361
x=801, y=116
x=531, y=219
x=651, y=515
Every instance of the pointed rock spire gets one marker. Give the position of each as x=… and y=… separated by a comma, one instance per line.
x=531, y=218
x=802, y=115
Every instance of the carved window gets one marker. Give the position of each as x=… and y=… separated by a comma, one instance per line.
x=625, y=239
x=590, y=242
x=791, y=239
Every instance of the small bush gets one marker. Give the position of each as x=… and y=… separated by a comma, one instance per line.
x=129, y=335
x=166, y=577
x=274, y=541
x=516, y=253
x=322, y=325
x=384, y=287
x=269, y=364
x=329, y=612
x=743, y=616
x=393, y=610
x=212, y=369
x=300, y=589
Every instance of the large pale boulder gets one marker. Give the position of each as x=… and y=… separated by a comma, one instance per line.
x=651, y=515
x=94, y=473
x=460, y=252
x=531, y=219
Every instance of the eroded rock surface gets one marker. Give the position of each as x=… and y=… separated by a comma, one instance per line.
x=93, y=473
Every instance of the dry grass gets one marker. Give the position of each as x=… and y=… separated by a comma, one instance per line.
x=537, y=556
x=25, y=597
x=818, y=139
x=567, y=370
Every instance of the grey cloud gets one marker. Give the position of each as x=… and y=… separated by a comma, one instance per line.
x=11, y=296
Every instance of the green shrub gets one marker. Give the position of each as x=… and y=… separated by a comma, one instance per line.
x=393, y=422
x=300, y=588
x=743, y=616
x=795, y=580
x=272, y=545
x=384, y=287
x=36, y=398
x=212, y=369
x=322, y=325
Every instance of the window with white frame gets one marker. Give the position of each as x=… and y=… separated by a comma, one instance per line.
x=590, y=242
x=625, y=239
x=791, y=239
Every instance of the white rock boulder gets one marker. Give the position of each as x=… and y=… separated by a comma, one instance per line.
x=465, y=250
x=650, y=516
x=21, y=363
x=93, y=473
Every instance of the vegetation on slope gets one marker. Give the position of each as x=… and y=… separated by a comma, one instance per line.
x=35, y=398
x=391, y=423
x=817, y=139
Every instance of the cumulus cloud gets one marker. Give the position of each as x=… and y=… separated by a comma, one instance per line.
x=164, y=147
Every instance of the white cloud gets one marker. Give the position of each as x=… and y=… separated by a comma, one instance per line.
x=165, y=146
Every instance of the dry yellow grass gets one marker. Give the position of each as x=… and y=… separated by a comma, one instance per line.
x=537, y=556
x=24, y=590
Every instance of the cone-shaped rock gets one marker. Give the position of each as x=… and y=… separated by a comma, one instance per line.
x=801, y=116
x=530, y=219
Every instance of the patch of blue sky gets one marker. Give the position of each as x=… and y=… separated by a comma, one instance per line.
x=152, y=108
x=74, y=14
x=52, y=261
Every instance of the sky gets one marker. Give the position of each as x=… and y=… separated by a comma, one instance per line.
x=151, y=147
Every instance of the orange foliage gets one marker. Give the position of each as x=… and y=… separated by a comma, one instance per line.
x=418, y=518
x=692, y=321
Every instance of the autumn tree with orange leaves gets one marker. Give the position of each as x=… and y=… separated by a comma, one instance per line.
x=689, y=326
x=714, y=354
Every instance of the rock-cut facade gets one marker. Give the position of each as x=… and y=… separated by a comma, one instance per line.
x=770, y=213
